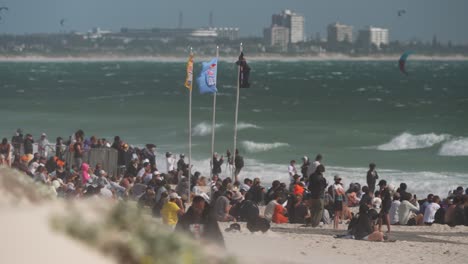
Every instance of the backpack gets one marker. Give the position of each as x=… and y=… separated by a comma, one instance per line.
x=258, y=224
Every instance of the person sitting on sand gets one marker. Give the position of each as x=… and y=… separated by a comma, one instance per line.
x=270, y=208
x=394, y=219
x=301, y=211
x=222, y=207
x=431, y=209
x=279, y=215
x=256, y=192
x=199, y=223
x=408, y=211
x=171, y=210
x=363, y=228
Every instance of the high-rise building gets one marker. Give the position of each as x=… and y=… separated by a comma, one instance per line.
x=373, y=36
x=294, y=22
x=277, y=36
x=339, y=33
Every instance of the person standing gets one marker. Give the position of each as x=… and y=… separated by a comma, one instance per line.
x=28, y=146
x=314, y=165
x=338, y=197
x=372, y=177
x=59, y=148
x=170, y=162
x=238, y=164
x=317, y=185
x=217, y=163
x=305, y=167
x=385, y=206
x=292, y=171
x=78, y=152
x=17, y=141
x=5, y=150
x=42, y=145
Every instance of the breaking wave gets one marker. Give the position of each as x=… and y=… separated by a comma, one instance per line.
x=409, y=141
x=456, y=147
x=242, y=126
x=252, y=146
x=204, y=129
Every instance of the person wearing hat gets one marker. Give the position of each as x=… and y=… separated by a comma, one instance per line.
x=372, y=177
x=338, y=197
x=182, y=166
x=171, y=210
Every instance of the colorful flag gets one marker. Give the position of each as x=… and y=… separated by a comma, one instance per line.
x=189, y=78
x=207, y=79
x=244, y=72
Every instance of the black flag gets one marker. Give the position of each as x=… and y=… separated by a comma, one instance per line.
x=244, y=72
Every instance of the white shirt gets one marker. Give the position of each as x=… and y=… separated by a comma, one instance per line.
x=42, y=146
x=394, y=212
x=270, y=210
x=292, y=171
x=404, y=211
x=430, y=212
x=170, y=163
x=141, y=172
x=312, y=167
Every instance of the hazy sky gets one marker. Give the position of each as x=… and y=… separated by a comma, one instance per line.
x=424, y=18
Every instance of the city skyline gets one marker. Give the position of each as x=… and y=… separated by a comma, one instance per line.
x=423, y=19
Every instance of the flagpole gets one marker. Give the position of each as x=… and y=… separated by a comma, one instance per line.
x=213, y=125
x=234, y=177
x=190, y=131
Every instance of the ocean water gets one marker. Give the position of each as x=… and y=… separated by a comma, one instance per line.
x=415, y=128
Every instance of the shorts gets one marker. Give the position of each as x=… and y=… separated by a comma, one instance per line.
x=338, y=206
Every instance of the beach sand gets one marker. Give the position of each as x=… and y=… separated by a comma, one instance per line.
x=290, y=243
x=28, y=237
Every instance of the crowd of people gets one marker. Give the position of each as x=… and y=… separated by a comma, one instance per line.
x=307, y=199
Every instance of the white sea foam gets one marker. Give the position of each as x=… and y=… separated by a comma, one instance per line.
x=407, y=141
x=419, y=183
x=204, y=129
x=242, y=126
x=110, y=74
x=257, y=110
x=252, y=146
x=456, y=147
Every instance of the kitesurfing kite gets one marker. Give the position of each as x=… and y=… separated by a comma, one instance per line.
x=402, y=61
x=62, y=22
x=401, y=12
x=4, y=8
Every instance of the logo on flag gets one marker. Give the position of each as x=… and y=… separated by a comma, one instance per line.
x=207, y=79
x=189, y=78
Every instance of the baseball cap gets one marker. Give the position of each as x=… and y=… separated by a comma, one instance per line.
x=382, y=183
x=174, y=195
x=337, y=177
